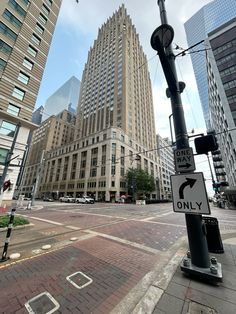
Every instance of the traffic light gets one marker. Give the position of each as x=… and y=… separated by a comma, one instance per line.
x=205, y=144
x=216, y=185
x=6, y=185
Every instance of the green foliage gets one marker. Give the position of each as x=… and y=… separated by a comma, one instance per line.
x=139, y=181
x=17, y=221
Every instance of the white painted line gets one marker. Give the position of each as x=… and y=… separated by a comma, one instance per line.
x=44, y=220
x=30, y=310
x=73, y=228
x=77, y=286
x=119, y=240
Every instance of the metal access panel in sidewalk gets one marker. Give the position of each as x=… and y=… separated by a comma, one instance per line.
x=213, y=236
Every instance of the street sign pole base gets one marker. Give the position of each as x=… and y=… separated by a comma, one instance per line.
x=213, y=273
x=2, y=260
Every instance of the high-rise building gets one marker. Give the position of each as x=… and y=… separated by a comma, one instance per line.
x=56, y=131
x=167, y=168
x=26, y=30
x=65, y=98
x=37, y=115
x=208, y=18
x=115, y=120
x=221, y=70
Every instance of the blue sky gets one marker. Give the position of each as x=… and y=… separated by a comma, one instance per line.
x=77, y=28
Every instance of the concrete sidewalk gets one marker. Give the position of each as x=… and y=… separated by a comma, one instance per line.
x=183, y=294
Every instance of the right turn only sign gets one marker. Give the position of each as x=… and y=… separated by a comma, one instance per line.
x=189, y=193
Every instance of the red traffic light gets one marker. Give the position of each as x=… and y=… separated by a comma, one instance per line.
x=6, y=185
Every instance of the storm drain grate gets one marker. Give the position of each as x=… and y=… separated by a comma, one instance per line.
x=42, y=303
x=79, y=280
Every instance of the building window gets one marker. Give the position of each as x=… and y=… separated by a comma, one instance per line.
x=2, y=64
x=3, y=155
x=23, y=78
x=36, y=39
x=17, y=7
x=7, y=128
x=31, y=50
x=45, y=10
x=49, y=2
x=18, y=93
x=26, y=2
x=7, y=32
x=28, y=64
x=42, y=18
x=12, y=19
x=14, y=110
x=5, y=48
x=39, y=28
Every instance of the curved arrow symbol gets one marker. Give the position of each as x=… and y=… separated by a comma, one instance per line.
x=189, y=182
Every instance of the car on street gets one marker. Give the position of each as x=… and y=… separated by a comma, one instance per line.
x=85, y=200
x=48, y=199
x=67, y=199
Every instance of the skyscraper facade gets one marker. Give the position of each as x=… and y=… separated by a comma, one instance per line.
x=116, y=87
x=65, y=98
x=26, y=30
x=208, y=18
x=166, y=168
x=115, y=120
x=56, y=131
x=221, y=70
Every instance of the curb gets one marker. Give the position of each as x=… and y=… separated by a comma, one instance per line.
x=17, y=227
x=152, y=296
x=144, y=296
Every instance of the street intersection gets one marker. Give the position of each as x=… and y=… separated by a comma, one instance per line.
x=100, y=254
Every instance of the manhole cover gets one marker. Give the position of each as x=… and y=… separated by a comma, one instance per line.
x=79, y=280
x=43, y=303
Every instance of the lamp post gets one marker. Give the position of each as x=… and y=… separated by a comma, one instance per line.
x=161, y=42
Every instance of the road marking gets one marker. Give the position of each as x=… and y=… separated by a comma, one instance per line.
x=73, y=228
x=136, y=245
x=75, y=284
x=49, y=296
x=44, y=220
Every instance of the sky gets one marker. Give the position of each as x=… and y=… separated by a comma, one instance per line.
x=76, y=30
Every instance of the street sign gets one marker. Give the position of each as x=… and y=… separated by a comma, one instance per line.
x=184, y=160
x=189, y=194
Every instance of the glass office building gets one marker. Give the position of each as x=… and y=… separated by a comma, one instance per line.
x=65, y=98
x=207, y=19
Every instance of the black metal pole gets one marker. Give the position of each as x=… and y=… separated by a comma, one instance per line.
x=8, y=236
x=195, y=228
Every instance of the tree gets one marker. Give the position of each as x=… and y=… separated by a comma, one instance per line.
x=139, y=182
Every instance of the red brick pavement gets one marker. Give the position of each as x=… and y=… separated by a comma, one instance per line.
x=157, y=236
x=76, y=219
x=114, y=269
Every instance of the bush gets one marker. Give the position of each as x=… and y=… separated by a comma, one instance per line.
x=18, y=221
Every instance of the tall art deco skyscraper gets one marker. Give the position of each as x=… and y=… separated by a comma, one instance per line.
x=115, y=127
x=116, y=87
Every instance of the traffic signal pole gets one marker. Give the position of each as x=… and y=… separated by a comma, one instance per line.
x=161, y=42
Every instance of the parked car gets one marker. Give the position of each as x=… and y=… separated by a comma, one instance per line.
x=48, y=199
x=85, y=200
x=67, y=199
